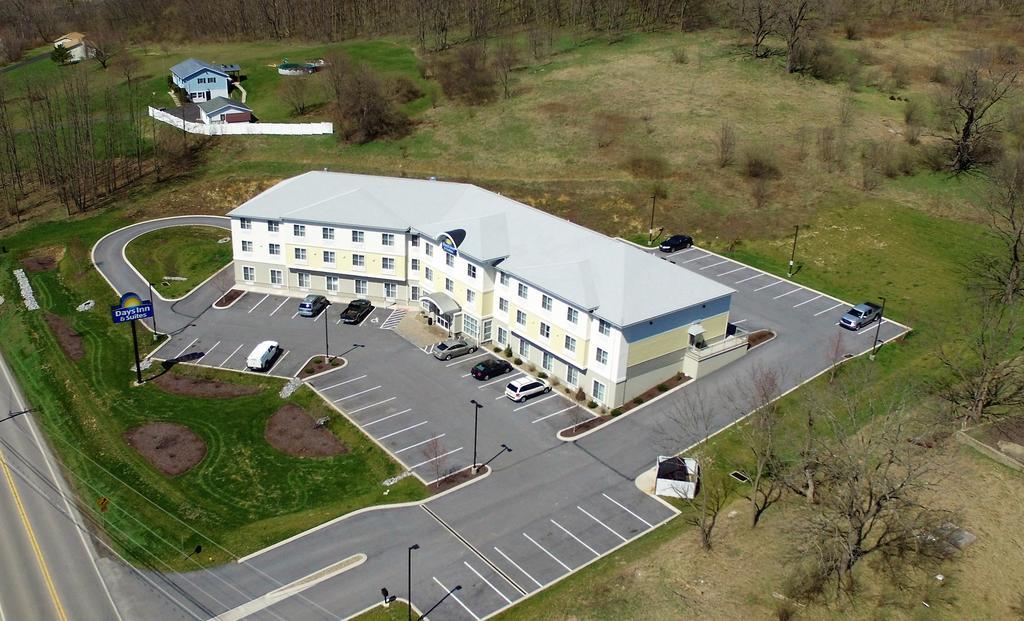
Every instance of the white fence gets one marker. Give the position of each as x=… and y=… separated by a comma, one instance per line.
x=241, y=129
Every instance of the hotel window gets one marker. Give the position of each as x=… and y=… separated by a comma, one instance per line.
x=328, y=256
x=449, y=260
x=502, y=335
x=548, y=362
x=415, y=265
x=358, y=260
x=470, y=296
x=598, y=391
x=299, y=230
x=521, y=318
x=246, y=246
x=414, y=293
x=328, y=232
x=274, y=249
x=248, y=274
x=602, y=356
x=275, y=277
x=503, y=305
x=300, y=254
x=545, y=330
x=545, y=301
x=414, y=241
x=523, y=290
x=449, y=285
x=245, y=224
x=429, y=249
x=428, y=273
x=470, y=270
x=273, y=227
x=524, y=348
x=572, y=315
x=357, y=237
x=504, y=279
x=471, y=327
x=570, y=343
x=360, y=287
x=387, y=239
x=303, y=280
x=332, y=283
x=604, y=327
x=390, y=290
x=572, y=376
x=388, y=264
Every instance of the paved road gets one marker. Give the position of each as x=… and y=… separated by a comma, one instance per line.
x=27, y=61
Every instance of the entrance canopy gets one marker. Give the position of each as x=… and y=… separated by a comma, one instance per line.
x=442, y=304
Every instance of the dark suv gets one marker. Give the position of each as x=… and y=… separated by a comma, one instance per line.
x=312, y=305
x=356, y=311
x=676, y=242
x=490, y=368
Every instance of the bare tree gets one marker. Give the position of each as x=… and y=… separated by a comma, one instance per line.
x=836, y=353
x=979, y=85
x=795, y=17
x=435, y=453
x=295, y=92
x=464, y=75
x=506, y=57
x=759, y=395
x=756, y=19
x=364, y=112
x=760, y=191
x=725, y=145
x=1001, y=275
x=106, y=45
x=846, y=104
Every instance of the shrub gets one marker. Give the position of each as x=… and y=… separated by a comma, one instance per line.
x=465, y=75
x=580, y=395
x=616, y=412
x=518, y=361
x=679, y=56
x=497, y=350
x=662, y=388
x=852, y=29
x=508, y=352
x=591, y=404
x=1007, y=54
x=403, y=90
x=317, y=360
x=846, y=104
x=530, y=367
x=912, y=134
x=555, y=381
x=785, y=611
x=542, y=375
x=725, y=146
x=638, y=400
x=759, y=163
x=939, y=74
x=822, y=60
x=900, y=76
x=335, y=362
x=363, y=111
x=914, y=112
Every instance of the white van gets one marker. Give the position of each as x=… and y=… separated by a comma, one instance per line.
x=262, y=355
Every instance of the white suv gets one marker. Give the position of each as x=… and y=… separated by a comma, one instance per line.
x=519, y=390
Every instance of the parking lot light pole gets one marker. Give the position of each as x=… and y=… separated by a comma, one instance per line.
x=650, y=231
x=327, y=342
x=154, y=311
x=878, y=329
x=792, y=256
x=476, y=417
x=408, y=590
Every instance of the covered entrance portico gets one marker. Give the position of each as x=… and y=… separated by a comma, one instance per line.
x=445, y=311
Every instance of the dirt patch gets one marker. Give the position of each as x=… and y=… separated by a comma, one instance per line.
x=293, y=432
x=70, y=341
x=44, y=259
x=169, y=447
x=228, y=298
x=318, y=364
x=199, y=387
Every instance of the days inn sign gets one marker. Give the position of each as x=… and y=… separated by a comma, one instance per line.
x=451, y=240
x=132, y=307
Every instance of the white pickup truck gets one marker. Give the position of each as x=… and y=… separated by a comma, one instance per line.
x=860, y=316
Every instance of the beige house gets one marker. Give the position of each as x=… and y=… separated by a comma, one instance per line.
x=77, y=44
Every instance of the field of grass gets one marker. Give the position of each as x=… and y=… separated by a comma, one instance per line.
x=184, y=252
x=241, y=497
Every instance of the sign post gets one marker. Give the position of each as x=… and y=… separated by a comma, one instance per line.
x=132, y=308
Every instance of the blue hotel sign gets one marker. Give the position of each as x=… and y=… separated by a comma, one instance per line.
x=132, y=307
x=448, y=245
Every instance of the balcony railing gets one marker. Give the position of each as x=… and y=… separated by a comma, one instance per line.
x=718, y=346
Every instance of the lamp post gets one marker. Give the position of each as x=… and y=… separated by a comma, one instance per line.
x=408, y=590
x=792, y=256
x=878, y=329
x=650, y=231
x=476, y=418
x=154, y=310
x=327, y=342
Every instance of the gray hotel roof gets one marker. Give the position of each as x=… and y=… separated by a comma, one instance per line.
x=617, y=281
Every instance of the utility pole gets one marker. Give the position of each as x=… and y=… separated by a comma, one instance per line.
x=792, y=256
x=878, y=329
x=408, y=590
x=650, y=231
x=476, y=418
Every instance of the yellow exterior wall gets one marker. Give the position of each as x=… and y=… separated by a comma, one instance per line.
x=343, y=262
x=673, y=340
x=554, y=344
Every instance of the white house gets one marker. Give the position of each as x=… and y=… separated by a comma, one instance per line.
x=76, y=43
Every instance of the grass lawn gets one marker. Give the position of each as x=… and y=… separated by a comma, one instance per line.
x=397, y=611
x=189, y=252
x=243, y=495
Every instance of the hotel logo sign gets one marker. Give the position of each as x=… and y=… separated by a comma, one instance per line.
x=132, y=307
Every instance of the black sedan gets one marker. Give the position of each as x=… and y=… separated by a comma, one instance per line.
x=490, y=368
x=356, y=311
x=676, y=242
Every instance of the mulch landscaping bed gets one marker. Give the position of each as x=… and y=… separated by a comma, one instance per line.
x=756, y=338
x=199, y=387
x=291, y=431
x=587, y=425
x=70, y=341
x=171, y=448
x=319, y=364
x=457, y=478
x=44, y=260
x=228, y=298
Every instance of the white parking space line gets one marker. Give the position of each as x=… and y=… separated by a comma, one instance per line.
x=731, y=271
x=623, y=507
x=738, y=322
x=229, y=356
x=714, y=264
x=372, y=405
x=807, y=301
x=356, y=394
x=456, y=598
x=373, y=422
x=343, y=383
x=510, y=378
x=516, y=565
x=787, y=293
x=295, y=315
x=187, y=348
x=751, y=278
x=466, y=374
x=207, y=352
x=283, y=302
x=578, y=540
x=777, y=282
x=338, y=321
x=395, y=433
x=501, y=396
x=487, y=582
x=545, y=551
x=872, y=329
x=424, y=463
x=437, y=437
x=532, y=403
x=609, y=528
x=452, y=364
x=260, y=302
x=703, y=256
x=547, y=416
x=322, y=313
x=690, y=249
x=283, y=356
x=827, y=310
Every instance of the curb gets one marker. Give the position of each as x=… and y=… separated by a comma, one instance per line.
x=344, y=363
x=623, y=415
x=233, y=302
x=124, y=256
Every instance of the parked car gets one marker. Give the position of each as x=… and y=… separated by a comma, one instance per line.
x=356, y=311
x=676, y=242
x=521, y=389
x=489, y=368
x=262, y=355
x=452, y=348
x=312, y=305
x=860, y=316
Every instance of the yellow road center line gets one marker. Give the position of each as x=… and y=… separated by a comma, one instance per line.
x=32, y=539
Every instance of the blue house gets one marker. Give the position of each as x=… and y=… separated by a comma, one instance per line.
x=201, y=80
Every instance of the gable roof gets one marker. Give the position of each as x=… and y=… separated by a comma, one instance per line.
x=617, y=281
x=70, y=40
x=219, y=103
x=191, y=66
